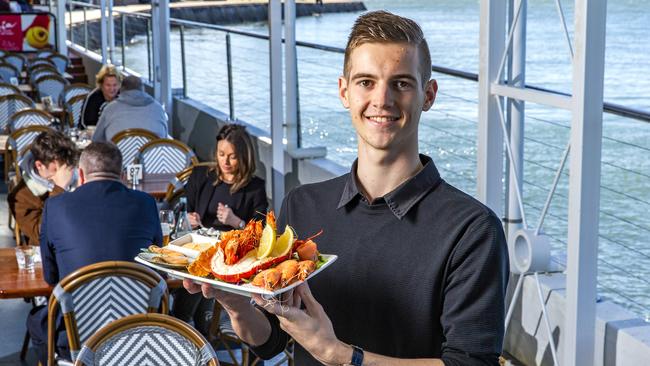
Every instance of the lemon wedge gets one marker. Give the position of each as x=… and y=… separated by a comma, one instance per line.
x=284, y=243
x=267, y=242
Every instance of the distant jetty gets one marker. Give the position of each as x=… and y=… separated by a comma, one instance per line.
x=211, y=12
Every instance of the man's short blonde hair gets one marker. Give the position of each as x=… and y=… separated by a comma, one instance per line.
x=106, y=71
x=385, y=27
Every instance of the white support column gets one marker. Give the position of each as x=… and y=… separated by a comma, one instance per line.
x=517, y=117
x=60, y=25
x=161, y=55
x=103, y=31
x=277, y=130
x=291, y=68
x=490, y=137
x=584, y=182
x=111, y=32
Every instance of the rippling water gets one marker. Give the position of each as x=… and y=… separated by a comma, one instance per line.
x=448, y=131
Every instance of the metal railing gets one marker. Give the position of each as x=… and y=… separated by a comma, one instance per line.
x=466, y=156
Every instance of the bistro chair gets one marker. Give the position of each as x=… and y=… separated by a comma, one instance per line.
x=73, y=108
x=45, y=53
x=10, y=104
x=16, y=146
x=60, y=61
x=147, y=339
x=95, y=295
x=130, y=141
x=50, y=85
x=39, y=62
x=72, y=90
x=29, y=117
x=8, y=71
x=165, y=156
x=41, y=70
x=176, y=186
x=7, y=89
x=17, y=60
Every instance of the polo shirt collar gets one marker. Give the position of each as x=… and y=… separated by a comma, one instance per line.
x=402, y=198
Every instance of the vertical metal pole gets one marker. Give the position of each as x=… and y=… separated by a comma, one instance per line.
x=231, y=97
x=490, y=138
x=162, y=57
x=85, y=29
x=183, y=68
x=584, y=182
x=291, y=82
x=517, y=116
x=103, y=31
x=277, y=130
x=70, y=36
x=61, y=31
x=111, y=32
x=123, y=26
x=149, y=65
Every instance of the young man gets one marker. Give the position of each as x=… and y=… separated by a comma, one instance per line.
x=423, y=267
x=47, y=170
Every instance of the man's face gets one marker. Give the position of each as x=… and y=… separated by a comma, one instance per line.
x=110, y=87
x=385, y=95
x=47, y=171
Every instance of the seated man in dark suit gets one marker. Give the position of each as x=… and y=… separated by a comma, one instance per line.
x=101, y=220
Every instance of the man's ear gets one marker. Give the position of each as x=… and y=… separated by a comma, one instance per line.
x=430, y=91
x=82, y=176
x=343, y=91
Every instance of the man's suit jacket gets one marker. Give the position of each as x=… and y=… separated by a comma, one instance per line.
x=101, y=220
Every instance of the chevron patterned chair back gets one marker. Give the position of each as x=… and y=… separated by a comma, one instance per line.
x=9, y=105
x=95, y=295
x=44, y=54
x=165, y=156
x=29, y=117
x=176, y=187
x=7, y=71
x=7, y=89
x=60, y=61
x=147, y=339
x=39, y=62
x=130, y=141
x=50, y=85
x=75, y=89
x=17, y=60
x=73, y=108
x=16, y=146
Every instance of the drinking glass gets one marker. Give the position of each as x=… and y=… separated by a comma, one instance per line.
x=167, y=222
x=25, y=256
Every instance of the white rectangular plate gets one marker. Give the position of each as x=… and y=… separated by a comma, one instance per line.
x=245, y=289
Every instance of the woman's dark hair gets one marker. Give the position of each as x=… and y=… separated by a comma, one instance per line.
x=241, y=140
x=52, y=146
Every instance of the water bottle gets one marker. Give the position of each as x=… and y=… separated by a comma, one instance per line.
x=183, y=225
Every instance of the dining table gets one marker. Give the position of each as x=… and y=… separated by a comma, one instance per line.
x=154, y=184
x=16, y=283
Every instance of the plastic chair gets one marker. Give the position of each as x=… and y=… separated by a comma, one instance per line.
x=130, y=141
x=52, y=86
x=73, y=108
x=165, y=156
x=152, y=339
x=29, y=117
x=72, y=90
x=10, y=104
x=95, y=295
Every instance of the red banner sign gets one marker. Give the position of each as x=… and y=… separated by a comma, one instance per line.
x=27, y=32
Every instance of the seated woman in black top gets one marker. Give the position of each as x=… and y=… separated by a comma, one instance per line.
x=225, y=197
x=108, y=81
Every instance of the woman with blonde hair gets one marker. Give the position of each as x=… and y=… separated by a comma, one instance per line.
x=108, y=81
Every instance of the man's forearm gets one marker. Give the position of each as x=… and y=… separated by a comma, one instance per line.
x=250, y=324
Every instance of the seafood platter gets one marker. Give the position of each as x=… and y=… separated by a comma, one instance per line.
x=253, y=260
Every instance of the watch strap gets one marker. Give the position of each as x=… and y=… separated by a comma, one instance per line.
x=357, y=356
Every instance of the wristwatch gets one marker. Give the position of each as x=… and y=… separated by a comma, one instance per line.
x=242, y=224
x=357, y=356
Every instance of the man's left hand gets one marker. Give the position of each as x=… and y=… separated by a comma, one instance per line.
x=310, y=327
